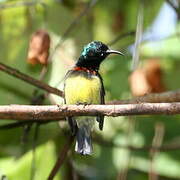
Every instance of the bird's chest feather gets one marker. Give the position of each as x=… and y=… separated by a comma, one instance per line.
x=81, y=89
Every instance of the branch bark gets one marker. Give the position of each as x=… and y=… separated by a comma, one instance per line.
x=165, y=97
x=14, y=72
x=61, y=158
x=169, y=96
x=57, y=112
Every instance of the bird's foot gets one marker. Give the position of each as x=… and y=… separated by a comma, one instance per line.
x=84, y=103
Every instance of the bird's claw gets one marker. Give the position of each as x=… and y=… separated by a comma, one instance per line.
x=84, y=104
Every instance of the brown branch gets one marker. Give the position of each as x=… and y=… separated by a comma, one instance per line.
x=30, y=80
x=61, y=158
x=165, y=97
x=170, y=96
x=57, y=112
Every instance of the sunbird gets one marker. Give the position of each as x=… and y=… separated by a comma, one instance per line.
x=84, y=85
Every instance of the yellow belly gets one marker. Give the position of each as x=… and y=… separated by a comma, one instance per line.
x=79, y=89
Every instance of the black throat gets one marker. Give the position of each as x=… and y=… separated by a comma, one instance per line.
x=88, y=63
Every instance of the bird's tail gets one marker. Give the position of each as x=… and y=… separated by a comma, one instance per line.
x=83, y=141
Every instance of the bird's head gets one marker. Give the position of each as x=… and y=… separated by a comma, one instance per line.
x=93, y=54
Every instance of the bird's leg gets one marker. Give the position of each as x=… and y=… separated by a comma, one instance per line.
x=73, y=125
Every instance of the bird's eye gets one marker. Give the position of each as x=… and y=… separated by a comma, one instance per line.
x=102, y=54
x=91, y=53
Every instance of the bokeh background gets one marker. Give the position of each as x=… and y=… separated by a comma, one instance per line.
x=123, y=149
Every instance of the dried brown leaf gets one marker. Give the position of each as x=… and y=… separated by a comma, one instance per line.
x=39, y=45
x=147, y=79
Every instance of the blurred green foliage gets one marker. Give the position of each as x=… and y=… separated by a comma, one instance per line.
x=105, y=21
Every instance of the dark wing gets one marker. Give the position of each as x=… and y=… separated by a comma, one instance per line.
x=71, y=120
x=100, y=118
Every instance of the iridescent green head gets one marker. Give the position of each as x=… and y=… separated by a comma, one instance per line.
x=93, y=54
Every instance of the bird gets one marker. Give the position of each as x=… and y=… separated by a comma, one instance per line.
x=83, y=85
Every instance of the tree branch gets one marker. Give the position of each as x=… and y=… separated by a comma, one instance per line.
x=165, y=97
x=30, y=80
x=57, y=112
x=61, y=158
x=169, y=96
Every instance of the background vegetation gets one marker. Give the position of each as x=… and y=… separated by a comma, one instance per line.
x=31, y=153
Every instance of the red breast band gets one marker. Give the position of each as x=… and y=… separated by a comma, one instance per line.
x=85, y=69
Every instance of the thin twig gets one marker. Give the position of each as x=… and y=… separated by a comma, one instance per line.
x=170, y=96
x=165, y=97
x=57, y=112
x=23, y=123
x=29, y=79
x=176, y=8
x=172, y=5
x=157, y=141
x=62, y=156
x=43, y=72
x=121, y=36
x=72, y=25
x=139, y=31
x=14, y=125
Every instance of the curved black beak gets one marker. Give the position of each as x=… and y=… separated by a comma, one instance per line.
x=110, y=51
